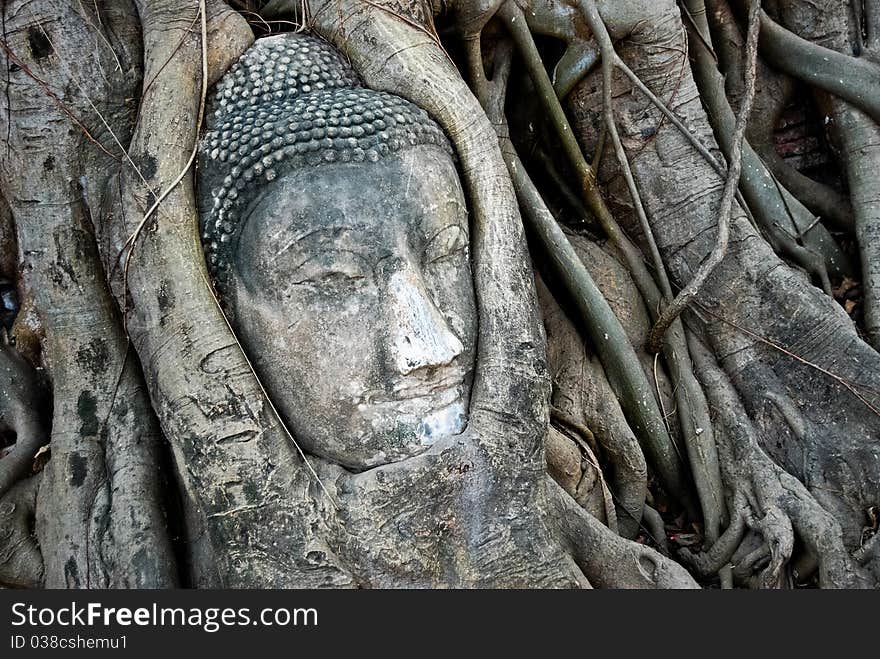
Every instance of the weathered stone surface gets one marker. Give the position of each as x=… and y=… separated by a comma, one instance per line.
x=337, y=230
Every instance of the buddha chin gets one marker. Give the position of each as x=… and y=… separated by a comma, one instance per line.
x=414, y=416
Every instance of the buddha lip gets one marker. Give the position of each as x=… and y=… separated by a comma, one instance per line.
x=439, y=389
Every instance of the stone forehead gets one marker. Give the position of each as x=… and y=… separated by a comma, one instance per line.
x=291, y=101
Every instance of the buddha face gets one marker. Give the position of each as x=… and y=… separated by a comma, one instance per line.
x=351, y=290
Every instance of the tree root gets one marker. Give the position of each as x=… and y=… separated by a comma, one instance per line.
x=21, y=565
x=572, y=463
x=857, y=135
x=609, y=61
x=608, y=560
x=766, y=500
x=859, y=138
x=584, y=402
x=773, y=93
x=752, y=288
x=613, y=347
x=656, y=529
x=798, y=236
x=852, y=79
x=677, y=305
x=617, y=354
x=98, y=498
x=104, y=438
x=20, y=413
x=691, y=402
x=562, y=21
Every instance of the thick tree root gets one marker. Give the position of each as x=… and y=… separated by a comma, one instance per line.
x=583, y=399
x=767, y=500
x=104, y=439
x=573, y=464
x=21, y=565
x=21, y=410
x=683, y=298
x=608, y=560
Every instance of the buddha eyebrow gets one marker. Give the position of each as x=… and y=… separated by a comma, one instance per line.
x=320, y=233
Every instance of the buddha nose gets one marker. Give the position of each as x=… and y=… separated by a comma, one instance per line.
x=421, y=337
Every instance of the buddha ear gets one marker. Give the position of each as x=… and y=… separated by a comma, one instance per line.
x=398, y=55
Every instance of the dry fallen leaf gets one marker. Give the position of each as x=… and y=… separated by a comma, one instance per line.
x=41, y=458
x=845, y=287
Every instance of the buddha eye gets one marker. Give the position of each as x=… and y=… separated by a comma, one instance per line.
x=331, y=268
x=445, y=243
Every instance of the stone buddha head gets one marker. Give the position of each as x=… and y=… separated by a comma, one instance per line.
x=336, y=232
